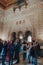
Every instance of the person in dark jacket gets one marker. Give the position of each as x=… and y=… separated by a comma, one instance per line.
x=5, y=47
x=11, y=52
x=1, y=45
x=24, y=49
x=17, y=50
x=38, y=49
x=33, y=55
x=4, y=50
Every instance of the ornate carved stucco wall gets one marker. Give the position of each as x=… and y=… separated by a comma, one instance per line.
x=32, y=15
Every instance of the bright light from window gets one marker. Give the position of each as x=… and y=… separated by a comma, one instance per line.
x=21, y=37
x=29, y=39
x=3, y=37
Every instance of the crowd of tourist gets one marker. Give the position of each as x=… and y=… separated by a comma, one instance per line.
x=10, y=50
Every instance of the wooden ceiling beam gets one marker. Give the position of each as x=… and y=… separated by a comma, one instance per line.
x=6, y=3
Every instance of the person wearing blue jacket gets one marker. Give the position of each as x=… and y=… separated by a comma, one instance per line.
x=4, y=50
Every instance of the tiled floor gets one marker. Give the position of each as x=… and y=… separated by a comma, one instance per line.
x=40, y=61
